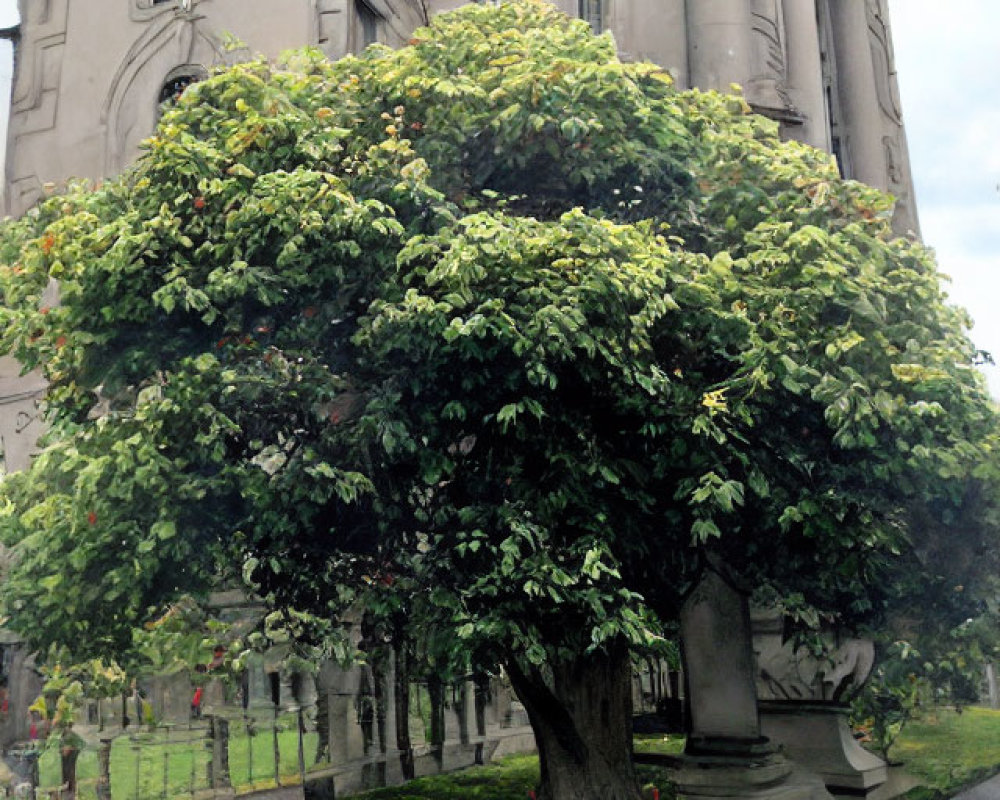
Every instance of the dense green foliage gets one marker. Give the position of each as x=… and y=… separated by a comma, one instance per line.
x=493, y=333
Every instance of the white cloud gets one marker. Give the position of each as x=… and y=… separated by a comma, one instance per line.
x=949, y=77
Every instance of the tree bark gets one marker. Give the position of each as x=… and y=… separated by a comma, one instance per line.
x=581, y=714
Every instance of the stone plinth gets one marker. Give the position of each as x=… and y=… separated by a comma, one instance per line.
x=726, y=755
x=818, y=736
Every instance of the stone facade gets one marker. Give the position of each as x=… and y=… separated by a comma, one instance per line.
x=89, y=77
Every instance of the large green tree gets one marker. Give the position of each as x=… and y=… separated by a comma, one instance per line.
x=493, y=334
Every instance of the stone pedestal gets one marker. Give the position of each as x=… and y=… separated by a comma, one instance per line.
x=726, y=755
x=803, y=704
x=818, y=736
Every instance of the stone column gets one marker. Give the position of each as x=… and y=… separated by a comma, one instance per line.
x=805, y=74
x=720, y=48
x=863, y=151
x=387, y=711
x=655, y=31
x=103, y=787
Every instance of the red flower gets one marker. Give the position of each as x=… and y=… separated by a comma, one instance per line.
x=47, y=243
x=92, y=517
x=44, y=310
x=309, y=312
x=199, y=203
x=61, y=341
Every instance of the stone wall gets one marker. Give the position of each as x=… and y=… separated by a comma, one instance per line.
x=88, y=81
x=88, y=77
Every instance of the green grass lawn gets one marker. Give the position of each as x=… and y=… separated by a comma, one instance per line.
x=508, y=779
x=944, y=749
x=661, y=744
x=948, y=751
x=172, y=763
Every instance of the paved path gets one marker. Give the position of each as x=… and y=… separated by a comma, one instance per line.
x=989, y=790
x=288, y=793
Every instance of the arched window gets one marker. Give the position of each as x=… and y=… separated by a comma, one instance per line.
x=593, y=12
x=177, y=81
x=147, y=9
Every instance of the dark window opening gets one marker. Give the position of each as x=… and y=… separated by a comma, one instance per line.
x=368, y=21
x=174, y=87
x=593, y=13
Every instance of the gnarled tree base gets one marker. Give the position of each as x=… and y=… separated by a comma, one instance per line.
x=581, y=714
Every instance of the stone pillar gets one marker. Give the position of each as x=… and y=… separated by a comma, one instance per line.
x=726, y=756
x=805, y=74
x=218, y=744
x=657, y=33
x=103, y=788
x=720, y=49
x=863, y=151
x=347, y=741
x=388, y=738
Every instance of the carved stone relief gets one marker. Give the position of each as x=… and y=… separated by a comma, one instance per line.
x=785, y=672
x=898, y=179
x=883, y=62
x=130, y=108
x=20, y=426
x=142, y=10
x=767, y=85
x=35, y=100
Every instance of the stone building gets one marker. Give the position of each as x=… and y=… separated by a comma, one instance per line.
x=91, y=75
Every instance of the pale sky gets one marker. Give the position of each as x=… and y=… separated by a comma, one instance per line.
x=949, y=77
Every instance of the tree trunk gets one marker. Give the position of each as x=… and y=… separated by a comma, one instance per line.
x=582, y=719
